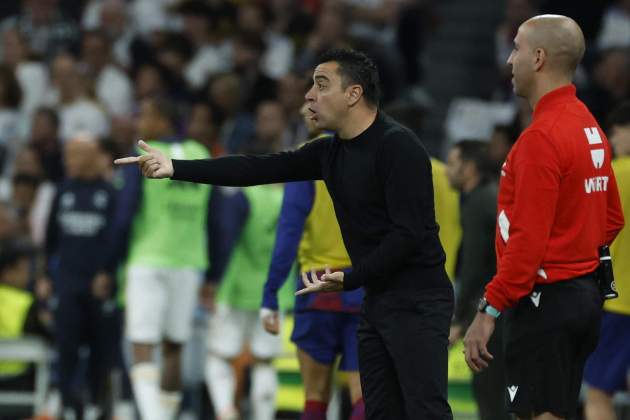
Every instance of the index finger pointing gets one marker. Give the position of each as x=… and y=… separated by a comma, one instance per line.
x=127, y=160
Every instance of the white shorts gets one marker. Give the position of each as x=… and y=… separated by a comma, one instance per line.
x=230, y=329
x=161, y=303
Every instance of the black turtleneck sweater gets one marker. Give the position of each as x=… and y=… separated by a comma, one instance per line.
x=380, y=183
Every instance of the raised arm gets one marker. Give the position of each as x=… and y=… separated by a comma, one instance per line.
x=238, y=170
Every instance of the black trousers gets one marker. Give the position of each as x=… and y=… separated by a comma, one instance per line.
x=403, y=354
x=84, y=321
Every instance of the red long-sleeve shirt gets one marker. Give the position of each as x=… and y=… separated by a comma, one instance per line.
x=558, y=200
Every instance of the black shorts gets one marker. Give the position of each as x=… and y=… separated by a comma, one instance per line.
x=549, y=336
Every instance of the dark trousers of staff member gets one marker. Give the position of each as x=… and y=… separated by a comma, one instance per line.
x=403, y=354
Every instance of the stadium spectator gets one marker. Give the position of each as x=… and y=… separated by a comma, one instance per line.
x=79, y=247
x=467, y=173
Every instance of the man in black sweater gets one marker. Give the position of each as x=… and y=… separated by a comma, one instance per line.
x=379, y=176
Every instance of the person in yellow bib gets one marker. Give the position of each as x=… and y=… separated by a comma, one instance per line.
x=325, y=324
x=19, y=313
x=606, y=369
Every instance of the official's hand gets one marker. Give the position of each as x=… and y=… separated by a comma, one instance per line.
x=101, y=286
x=153, y=164
x=329, y=282
x=455, y=335
x=270, y=320
x=476, y=342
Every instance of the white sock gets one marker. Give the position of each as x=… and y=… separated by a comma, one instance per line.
x=263, y=393
x=91, y=412
x=221, y=384
x=123, y=410
x=145, y=382
x=169, y=403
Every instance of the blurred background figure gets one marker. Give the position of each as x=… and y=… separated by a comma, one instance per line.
x=79, y=245
x=466, y=169
x=249, y=219
x=325, y=326
x=165, y=263
x=606, y=369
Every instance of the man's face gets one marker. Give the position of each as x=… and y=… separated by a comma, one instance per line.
x=79, y=157
x=620, y=139
x=150, y=124
x=521, y=60
x=200, y=126
x=18, y=273
x=270, y=121
x=455, y=169
x=327, y=99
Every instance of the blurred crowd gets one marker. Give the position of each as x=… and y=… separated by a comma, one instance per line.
x=82, y=80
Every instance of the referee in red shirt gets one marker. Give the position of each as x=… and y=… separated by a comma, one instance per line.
x=558, y=203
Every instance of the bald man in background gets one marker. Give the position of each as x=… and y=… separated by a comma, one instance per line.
x=558, y=203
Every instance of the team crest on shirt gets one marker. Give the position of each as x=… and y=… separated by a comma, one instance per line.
x=67, y=200
x=99, y=199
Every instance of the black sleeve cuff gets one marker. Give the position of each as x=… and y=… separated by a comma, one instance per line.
x=351, y=281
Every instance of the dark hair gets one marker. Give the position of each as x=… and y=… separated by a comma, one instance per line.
x=166, y=108
x=251, y=41
x=511, y=131
x=475, y=151
x=620, y=115
x=13, y=250
x=49, y=113
x=355, y=68
x=12, y=93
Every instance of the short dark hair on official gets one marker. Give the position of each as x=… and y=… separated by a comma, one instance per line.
x=475, y=151
x=355, y=68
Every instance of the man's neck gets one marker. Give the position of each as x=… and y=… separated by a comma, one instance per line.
x=545, y=86
x=357, y=122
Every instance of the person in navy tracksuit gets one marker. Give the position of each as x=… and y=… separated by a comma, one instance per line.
x=78, y=247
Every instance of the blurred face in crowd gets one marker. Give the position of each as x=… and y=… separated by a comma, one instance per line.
x=270, y=121
x=14, y=49
x=224, y=92
x=149, y=82
x=42, y=11
x=65, y=76
x=151, y=124
x=620, y=139
x=329, y=99
x=613, y=72
x=518, y=11
x=113, y=17
x=17, y=274
x=44, y=132
x=8, y=222
x=458, y=171
x=196, y=27
x=250, y=18
x=95, y=51
x=200, y=125
x=245, y=57
x=80, y=154
x=123, y=133
x=291, y=89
